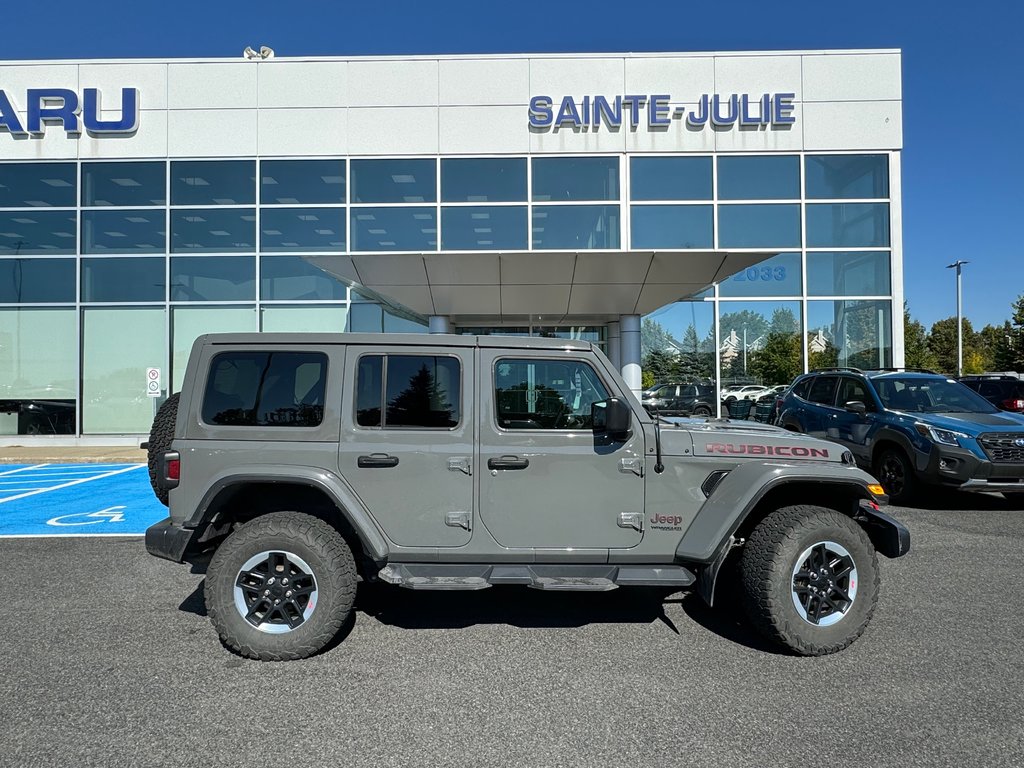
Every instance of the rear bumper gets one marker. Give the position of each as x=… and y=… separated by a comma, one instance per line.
x=167, y=540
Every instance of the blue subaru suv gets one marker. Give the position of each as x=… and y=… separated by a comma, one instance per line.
x=910, y=427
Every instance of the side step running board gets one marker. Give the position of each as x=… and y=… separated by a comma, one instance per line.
x=588, y=578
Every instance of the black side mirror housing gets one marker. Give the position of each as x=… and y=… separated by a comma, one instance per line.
x=856, y=406
x=612, y=417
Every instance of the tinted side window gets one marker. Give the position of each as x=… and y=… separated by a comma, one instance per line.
x=546, y=394
x=800, y=388
x=420, y=391
x=266, y=389
x=823, y=390
x=853, y=389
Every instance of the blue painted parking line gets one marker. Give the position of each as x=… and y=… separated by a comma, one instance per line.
x=76, y=500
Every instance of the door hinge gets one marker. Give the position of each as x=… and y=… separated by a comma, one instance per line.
x=459, y=520
x=634, y=520
x=634, y=466
x=460, y=464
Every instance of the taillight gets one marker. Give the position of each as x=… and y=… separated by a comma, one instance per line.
x=1014, y=404
x=174, y=469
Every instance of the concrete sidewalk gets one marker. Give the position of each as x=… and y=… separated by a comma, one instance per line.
x=123, y=454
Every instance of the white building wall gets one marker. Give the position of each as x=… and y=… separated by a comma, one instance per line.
x=844, y=100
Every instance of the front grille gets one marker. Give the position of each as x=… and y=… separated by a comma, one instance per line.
x=1003, y=448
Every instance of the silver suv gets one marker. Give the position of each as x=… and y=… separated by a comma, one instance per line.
x=306, y=462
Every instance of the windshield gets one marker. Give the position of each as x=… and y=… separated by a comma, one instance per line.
x=930, y=396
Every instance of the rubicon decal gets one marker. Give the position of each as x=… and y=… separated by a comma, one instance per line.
x=788, y=451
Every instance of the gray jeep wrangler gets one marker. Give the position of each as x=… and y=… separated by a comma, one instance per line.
x=307, y=462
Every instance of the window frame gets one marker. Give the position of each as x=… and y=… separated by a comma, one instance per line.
x=384, y=391
x=609, y=391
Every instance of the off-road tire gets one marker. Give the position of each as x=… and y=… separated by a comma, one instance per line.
x=160, y=436
x=908, y=488
x=767, y=574
x=333, y=568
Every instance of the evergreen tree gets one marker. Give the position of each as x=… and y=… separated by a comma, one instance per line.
x=653, y=337
x=694, y=361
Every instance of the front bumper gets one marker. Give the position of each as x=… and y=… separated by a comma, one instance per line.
x=960, y=467
x=168, y=540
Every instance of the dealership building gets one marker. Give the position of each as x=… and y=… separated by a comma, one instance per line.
x=714, y=202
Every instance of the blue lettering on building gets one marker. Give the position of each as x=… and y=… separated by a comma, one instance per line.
x=53, y=106
x=656, y=111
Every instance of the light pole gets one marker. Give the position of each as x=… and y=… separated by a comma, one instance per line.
x=959, y=318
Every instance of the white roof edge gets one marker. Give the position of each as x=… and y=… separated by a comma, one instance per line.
x=458, y=57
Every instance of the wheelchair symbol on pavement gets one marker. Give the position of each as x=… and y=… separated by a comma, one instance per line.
x=108, y=515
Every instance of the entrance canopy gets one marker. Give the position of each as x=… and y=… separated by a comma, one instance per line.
x=552, y=286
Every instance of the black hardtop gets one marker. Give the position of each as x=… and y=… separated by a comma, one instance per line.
x=397, y=339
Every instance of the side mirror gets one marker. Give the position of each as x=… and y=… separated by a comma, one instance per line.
x=856, y=406
x=612, y=416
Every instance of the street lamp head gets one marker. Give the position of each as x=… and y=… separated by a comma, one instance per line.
x=956, y=264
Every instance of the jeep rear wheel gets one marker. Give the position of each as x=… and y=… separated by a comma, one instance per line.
x=281, y=586
x=810, y=579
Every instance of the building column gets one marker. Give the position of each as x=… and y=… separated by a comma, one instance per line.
x=614, y=352
x=629, y=352
x=440, y=324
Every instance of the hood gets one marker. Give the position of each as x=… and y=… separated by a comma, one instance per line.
x=971, y=423
x=712, y=437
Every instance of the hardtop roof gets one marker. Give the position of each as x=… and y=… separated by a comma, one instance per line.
x=395, y=339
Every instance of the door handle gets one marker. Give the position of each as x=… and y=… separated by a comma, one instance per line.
x=508, y=462
x=376, y=460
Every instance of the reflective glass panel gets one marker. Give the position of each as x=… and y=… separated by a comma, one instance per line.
x=546, y=394
x=37, y=185
x=483, y=180
x=575, y=226
x=124, y=184
x=681, y=337
x=849, y=333
x=25, y=233
x=43, y=281
x=777, y=276
x=296, y=278
x=213, y=230
x=849, y=176
x=849, y=273
x=670, y=178
x=302, y=229
x=422, y=391
x=303, y=319
x=394, y=181
x=395, y=323
x=213, y=182
x=302, y=181
x=483, y=228
x=758, y=226
x=38, y=354
x=393, y=229
x=143, y=231
x=672, y=226
x=759, y=343
x=118, y=344
x=557, y=179
x=189, y=323
x=768, y=177
x=849, y=225
x=365, y=317
x=213, y=278
x=123, y=278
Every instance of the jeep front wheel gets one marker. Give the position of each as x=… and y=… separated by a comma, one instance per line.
x=280, y=587
x=810, y=579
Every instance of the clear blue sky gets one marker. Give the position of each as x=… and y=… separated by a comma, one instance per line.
x=963, y=162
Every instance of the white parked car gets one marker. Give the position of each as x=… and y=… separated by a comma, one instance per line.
x=746, y=392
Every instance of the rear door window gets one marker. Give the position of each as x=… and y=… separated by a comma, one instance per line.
x=823, y=390
x=266, y=389
x=408, y=391
x=854, y=389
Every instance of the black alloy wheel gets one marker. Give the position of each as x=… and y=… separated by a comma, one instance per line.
x=275, y=591
x=895, y=475
x=824, y=583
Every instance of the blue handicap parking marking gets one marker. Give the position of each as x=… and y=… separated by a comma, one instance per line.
x=76, y=500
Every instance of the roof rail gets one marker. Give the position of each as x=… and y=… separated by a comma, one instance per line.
x=832, y=370
x=911, y=370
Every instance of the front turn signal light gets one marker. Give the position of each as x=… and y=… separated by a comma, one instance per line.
x=876, y=490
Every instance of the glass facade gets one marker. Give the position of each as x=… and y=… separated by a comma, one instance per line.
x=120, y=265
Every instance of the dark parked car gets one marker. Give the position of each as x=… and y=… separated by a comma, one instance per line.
x=1003, y=391
x=696, y=399
x=911, y=427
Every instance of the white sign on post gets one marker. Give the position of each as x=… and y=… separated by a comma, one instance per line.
x=153, y=382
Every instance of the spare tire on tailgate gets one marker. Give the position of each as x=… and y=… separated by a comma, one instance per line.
x=160, y=437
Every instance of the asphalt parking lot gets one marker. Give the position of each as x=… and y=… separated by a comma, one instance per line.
x=109, y=660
